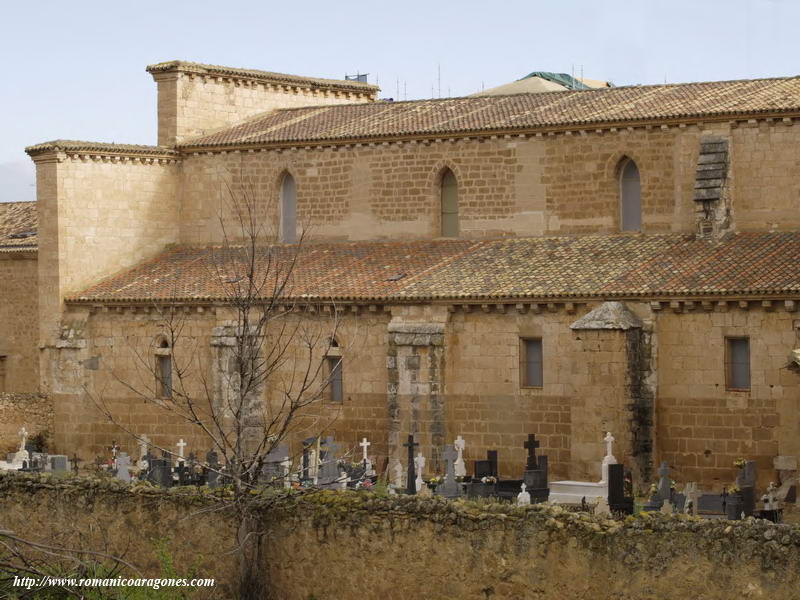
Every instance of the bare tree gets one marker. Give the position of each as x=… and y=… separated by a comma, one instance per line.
x=268, y=364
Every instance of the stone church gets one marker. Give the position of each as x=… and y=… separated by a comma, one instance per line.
x=564, y=263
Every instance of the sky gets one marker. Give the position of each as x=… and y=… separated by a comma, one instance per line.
x=75, y=70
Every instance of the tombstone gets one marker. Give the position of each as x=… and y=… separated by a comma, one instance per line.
x=574, y=492
x=144, y=445
x=746, y=482
x=272, y=471
x=666, y=508
x=123, y=464
x=397, y=479
x=59, y=463
x=450, y=488
x=181, y=445
x=161, y=472
x=212, y=471
x=329, y=470
x=286, y=465
x=772, y=510
x=460, y=468
x=309, y=460
x=411, y=476
x=488, y=467
x=369, y=471
x=692, y=504
x=601, y=508
x=183, y=472
x=618, y=501
x=76, y=460
x=523, y=498
x=608, y=459
x=535, y=475
x=419, y=465
x=665, y=493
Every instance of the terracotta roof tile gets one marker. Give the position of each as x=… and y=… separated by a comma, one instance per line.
x=513, y=112
x=18, y=226
x=648, y=266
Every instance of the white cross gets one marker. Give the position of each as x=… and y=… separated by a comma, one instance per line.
x=181, y=445
x=365, y=444
x=609, y=439
x=460, y=444
x=459, y=466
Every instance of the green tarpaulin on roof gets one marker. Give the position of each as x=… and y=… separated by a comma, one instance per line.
x=568, y=81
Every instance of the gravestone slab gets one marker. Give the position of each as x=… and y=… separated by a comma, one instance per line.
x=450, y=488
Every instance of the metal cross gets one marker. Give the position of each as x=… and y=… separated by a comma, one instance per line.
x=411, y=486
x=532, y=444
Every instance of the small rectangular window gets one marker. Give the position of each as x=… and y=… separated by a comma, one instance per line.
x=335, y=389
x=2, y=373
x=531, y=363
x=737, y=358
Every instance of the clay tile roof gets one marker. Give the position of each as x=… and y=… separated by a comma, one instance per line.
x=516, y=112
x=605, y=266
x=18, y=226
x=344, y=85
x=100, y=148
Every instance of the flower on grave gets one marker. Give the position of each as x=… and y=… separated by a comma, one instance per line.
x=489, y=480
x=436, y=480
x=672, y=484
x=739, y=463
x=734, y=489
x=367, y=484
x=653, y=489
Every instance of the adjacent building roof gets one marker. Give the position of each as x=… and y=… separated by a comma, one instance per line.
x=518, y=112
x=595, y=266
x=18, y=226
x=265, y=76
x=100, y=148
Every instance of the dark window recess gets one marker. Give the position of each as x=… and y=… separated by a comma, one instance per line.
x=532, y=372
x=335, y=389
x=738, y=359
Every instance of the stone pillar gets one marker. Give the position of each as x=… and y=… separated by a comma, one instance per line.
x=415, y=390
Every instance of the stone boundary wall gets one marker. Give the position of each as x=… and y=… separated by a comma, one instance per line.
x=33, y=411
x=343, y=546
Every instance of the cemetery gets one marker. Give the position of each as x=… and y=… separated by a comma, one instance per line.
x=334, y=505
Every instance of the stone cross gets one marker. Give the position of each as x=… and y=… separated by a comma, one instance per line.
x=459, y=467
x=419, y=463
x=608, y=459
x=286, y=464
x=23, y=433
x=411, y=487
x=531, y=445
x=123, y=464
x=181, y=445
x=212, y=477
x=523, y=497
x=664, y=483
x=364, y=445
x=144, y=442
x=114, y=450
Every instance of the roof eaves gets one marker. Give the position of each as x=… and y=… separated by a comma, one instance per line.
x=101, y=148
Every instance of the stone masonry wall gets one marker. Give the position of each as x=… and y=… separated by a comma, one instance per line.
x=191, y=105
x=19, y=321
x=703, y=427
x=348, y=546
x=32, y=411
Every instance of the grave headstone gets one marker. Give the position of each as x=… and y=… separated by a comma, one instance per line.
x=329, y=469
x=212, y=471
x=397, y=478
x=618, y=501
x=273, y=470
x=450, y=488
x=59, y=463
x=488, y=467
x=181, y=445
x=535, y=475
x=523, y=498
x=123, y=464
x=460, y=468
x=419, y=465
x=601, y=508
x=411, y=487
x=608, y=459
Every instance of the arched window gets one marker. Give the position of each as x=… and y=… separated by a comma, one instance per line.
x=449, y=204
x=288, y=210
x=630, y=192
x=163, y=370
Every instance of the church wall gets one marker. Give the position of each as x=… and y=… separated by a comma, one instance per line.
x=701, y=426
x=97, y=217
x=192, y=105
x=765, y=185
x=19, y=322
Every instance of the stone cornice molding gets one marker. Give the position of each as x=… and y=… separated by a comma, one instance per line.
x=250, y=76
x=61, y=150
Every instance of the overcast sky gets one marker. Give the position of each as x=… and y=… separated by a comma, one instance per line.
x=75, y=70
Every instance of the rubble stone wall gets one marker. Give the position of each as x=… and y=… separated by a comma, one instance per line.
x=350, y=545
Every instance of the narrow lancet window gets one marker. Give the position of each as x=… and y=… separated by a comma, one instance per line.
x=450, y=226
x=288, y=210
x=630, y=197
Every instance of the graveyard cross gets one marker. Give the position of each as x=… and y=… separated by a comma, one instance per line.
x=181, y=445
x=23, y=433
x=450, y=455
x=531, y=445
x=75, y=461
x=609, y=440
x=411, y=487
x=364, y=445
